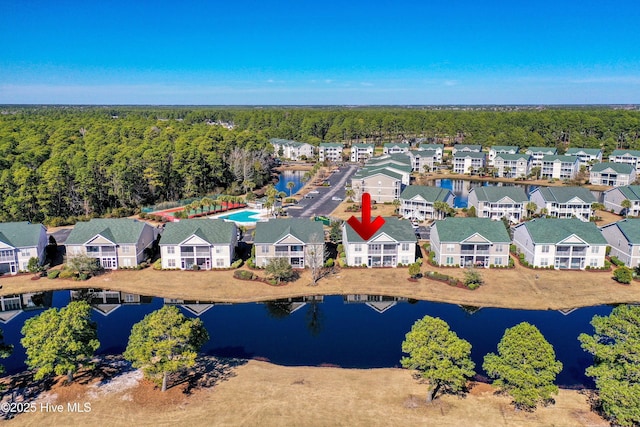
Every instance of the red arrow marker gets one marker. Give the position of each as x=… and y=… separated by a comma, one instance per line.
x=366, y=228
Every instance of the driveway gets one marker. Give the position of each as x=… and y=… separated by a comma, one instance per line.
x=321, y=204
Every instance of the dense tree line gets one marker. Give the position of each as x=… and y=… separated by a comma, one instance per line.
x=56, y=163
x=76, y=161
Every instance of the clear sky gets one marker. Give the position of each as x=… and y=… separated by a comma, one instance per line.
x=320, y=52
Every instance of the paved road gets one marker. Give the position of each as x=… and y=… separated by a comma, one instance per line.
x=321, y=204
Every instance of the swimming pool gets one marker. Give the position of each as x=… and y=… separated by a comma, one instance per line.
x=242, y=217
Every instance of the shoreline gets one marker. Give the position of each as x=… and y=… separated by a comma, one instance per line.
x=517, y=288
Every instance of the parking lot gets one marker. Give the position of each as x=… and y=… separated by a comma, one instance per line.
x=323, y=200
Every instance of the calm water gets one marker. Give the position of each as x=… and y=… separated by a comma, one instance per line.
x=290, y=176
x=334, y=331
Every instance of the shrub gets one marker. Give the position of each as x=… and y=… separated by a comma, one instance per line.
x=616, y=261
x=195, y=267
x=67, y=274
x=158, y=264
x=251, y=263
x=512, y=248
x=237, y=263
x=329, y=262
x=623, y=275
x=83, y=276
x=53, y=274
x=243, y=275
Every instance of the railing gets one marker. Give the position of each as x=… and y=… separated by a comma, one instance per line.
x=7, y=259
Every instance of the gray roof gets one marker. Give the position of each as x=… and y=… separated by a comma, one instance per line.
x=287, y=142
x=553, y=230
x=117, y=230
x=400, y=230
x=20, y=234
x=362, y=146
x=459, y=229
x=551, y=150
x=303, y=229
x=423, y=147
x=634, y=153
x=396, y=144
x=630, y=227
x=591, y=151
x=509, y=156
x=210, y=230
x=564, y=194
x=624, y=168
x=495, y=194
x=430, y=194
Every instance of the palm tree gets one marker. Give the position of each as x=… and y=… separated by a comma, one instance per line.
x=442, y=208
x=426, y=168
x=206, y=201
x=350, y=193
x=531, y=208
x=306, y=177
x=396, y=204
x=290, y=186
x=626, y=205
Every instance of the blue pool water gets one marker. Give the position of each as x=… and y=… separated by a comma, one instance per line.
x=241, y=216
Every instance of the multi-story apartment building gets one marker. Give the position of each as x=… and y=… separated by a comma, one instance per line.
x=330, y=152
x=512, y=165
x=537, y=153
x=631, y=157
x=468, y=162
x=498, y=202
x=614, y=174
x=19, y=242
x=417, y=202
x=614, y=199
x=394, y=243
x=395, y=148
x=564, y=202
x=624, y=239
x=586, y=156
x=361, y=152
x=297, y=239
x=292, y=150
x=500, y=149
x=559, y=167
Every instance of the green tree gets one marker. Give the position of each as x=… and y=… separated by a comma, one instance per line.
x=623, y=274
x=60, y=341
x=5, y=351
x=626, y=205
x=414, y=270
x=290, y=186
x=615, y=346
x=33, y=266
x=164, y=342
x=335, y=232
x=278, y=268
x=531, y=208
x=84, y=264
x=441, y=357
x=525, y=366
x=472, y=278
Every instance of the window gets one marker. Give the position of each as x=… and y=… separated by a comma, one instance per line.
x=125, y=249
x=220, y=262
x=450, y=247
x=545, y=249
x=171, y=250
x=499, y=248
x=544, y=262
x=405, y=247
x=218, y=249
x=593, y=262
x=126, y=262
x=449, y=260
x=497, y=261
x=357, y=248
x=357, y=260
x=595, y=249
x=129, y=298
x=404, y=260
x=264, y=249
x=171, y=263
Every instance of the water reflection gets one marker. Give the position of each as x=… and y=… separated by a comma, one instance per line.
x=106, y=302
x=379, y=303
x=286, y=177
x=12, y=305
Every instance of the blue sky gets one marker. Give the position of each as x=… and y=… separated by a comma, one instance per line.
x=322, y=52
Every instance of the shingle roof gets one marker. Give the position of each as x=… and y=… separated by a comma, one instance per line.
x=400, y=230
x=624, y=168
x=631, y=192
x=564, y=194
x=20, y=234
x=117, y=230
x=287, y=142
x=423, y=147
x=472, y=154
x=459, y=229
x=509, y=156
x=591, y=151
x=362, y=146
x=542, y=150
x=304, y=229
x=634, y=153
x=553, y=230
x=495, y=194
x=331, y=145
x=367, y=172
x=559, y=158
x=630, y=227
x=394, y=144
x=430, y=194
x=210, y=230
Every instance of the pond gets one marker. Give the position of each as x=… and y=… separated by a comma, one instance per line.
x=461, y=188
x=354, y=331
x=290, y=176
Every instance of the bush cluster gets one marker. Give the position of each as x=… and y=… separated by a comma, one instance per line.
x=243, y=275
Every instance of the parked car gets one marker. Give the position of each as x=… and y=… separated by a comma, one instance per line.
x=308, y=196
x=314, y=192
x=336, y=198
